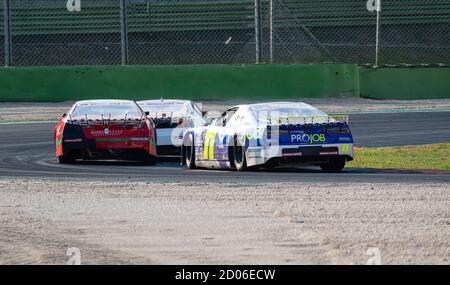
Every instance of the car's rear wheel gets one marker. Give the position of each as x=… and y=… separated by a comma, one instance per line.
x=231, y=157
x=336, y=164
x=66, y=159
x=148, y=159
x=239, y=157
x=189, y=153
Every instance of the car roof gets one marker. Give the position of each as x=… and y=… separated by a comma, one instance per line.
x=274, y=105
x=162, y=101
x=104, y=101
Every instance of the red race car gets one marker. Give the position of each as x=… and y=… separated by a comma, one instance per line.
x=105, y=129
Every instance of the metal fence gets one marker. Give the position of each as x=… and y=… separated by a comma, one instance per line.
x=97, y=32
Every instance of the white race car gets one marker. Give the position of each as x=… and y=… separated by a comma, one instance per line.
x=270, y=135
x=172, y=118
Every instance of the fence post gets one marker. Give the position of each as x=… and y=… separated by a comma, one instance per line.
x=377, y=40
x=124, y=31
x=258, y=31
x=271, y=30
x=7, y=26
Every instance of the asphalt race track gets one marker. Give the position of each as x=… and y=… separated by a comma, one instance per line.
x=27, y=151
x=394, y=129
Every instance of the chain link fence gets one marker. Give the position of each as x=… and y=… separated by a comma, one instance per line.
x=52, y=32
x=312, y=31
x=184, y=32
x=110, y=32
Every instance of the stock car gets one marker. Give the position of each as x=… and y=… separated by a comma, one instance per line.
x=269, y=135
x=105, y=129
x=172, y=118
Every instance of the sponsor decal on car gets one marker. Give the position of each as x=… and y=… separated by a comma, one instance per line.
x=73, y=140
x=328, y=153
x=140, y=139
x=254, y=152
x=308, y=138
x=293, y=154
x=345, y=139
x=106, y=133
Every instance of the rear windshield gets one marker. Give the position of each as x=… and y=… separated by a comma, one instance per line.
x=113, y=110
x=284, y=113
x=168, y=109
x=300, y=111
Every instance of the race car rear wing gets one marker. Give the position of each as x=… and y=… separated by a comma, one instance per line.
x=309, y=130
x=125, y=122
x=311, y=120
x=167, y=120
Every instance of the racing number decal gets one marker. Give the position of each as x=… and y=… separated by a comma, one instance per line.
x=208, y=150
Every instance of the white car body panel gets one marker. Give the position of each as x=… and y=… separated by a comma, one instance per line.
x=175, y=109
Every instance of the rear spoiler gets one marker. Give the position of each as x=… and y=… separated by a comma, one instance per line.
x=336, y=124
x=167, y=120
x=125, y=122
x=167, y=115
x=311, y=120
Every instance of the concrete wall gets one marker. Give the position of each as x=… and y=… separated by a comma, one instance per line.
x=202, y=82
x=405, y=83
x=216, y=82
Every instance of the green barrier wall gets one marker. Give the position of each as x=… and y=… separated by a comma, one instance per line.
x=405, y=83
x=203, y=82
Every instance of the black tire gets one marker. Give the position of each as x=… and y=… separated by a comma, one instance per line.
x=66, y=159
x=148, y=159
x=335, y=165
x=231, y=157
x=189, y=154
x=239, y=157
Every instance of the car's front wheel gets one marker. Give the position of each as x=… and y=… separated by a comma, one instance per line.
x=336, y=164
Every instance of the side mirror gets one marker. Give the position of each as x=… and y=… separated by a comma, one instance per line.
x=147, y=113
x=63, y=115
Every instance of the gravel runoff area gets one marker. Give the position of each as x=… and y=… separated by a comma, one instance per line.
x=51, y=111
x=142, y=222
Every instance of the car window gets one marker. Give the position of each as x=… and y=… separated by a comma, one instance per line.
x=166, y=109
x=268, y=114
x=225, y=118
x=112, y=110
x=241, y=117
x=196, y=108
x=219, y=122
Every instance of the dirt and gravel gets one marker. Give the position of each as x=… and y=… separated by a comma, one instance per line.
x=51, y=111
x=222, y=223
